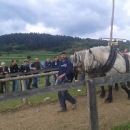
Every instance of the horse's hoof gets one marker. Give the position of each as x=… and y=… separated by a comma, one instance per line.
x=108, y=100
x=102, y=95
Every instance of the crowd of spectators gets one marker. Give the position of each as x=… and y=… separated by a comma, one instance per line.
x=27, y=66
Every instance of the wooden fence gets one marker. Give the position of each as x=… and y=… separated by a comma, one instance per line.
x=90, y=84
x=91, y=95
x=23, y=76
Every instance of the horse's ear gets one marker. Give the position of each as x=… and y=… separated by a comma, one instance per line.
x=75, y=56
x=90, y=51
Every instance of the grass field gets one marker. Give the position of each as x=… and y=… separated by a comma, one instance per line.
x=20, y=56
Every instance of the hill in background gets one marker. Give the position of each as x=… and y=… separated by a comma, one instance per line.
x=53, y=43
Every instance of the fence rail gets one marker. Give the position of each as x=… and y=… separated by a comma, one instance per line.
x=39, y=91
x=45, y=70
x=23, y=77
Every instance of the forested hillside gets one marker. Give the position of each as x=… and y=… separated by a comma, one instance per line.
x=55, y=43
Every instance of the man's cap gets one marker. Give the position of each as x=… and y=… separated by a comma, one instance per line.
x=63, y=53
x=25, y=60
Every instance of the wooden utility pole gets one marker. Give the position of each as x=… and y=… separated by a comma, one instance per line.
x=112, y=21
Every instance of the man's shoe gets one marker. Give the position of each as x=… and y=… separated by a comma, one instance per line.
x=62, y=110
x=74, y=105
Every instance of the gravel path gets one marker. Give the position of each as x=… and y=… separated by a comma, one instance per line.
x=45, y=116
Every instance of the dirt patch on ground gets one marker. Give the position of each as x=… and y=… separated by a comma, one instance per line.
x=45, y=117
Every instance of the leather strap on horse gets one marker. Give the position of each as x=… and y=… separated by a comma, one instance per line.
x=127, y=63
x=110, y=61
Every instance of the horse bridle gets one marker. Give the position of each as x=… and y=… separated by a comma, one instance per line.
x=97, y=67
x=76, y=58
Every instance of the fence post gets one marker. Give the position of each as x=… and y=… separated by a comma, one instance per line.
x=7, y=84
x=92, y=105
x=24, y=88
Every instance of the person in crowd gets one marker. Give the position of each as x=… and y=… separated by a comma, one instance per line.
x=36, y=65
x=43, y=65
x=14, y=69
x=24, y=69
x=55, y=64
x=29, y=63
x=58, y=58
x=47, y=65
x=3, y=71
x=125, y=51
x=65, y=70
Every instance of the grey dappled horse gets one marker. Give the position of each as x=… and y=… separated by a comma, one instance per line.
x=78, y=61
x=97, y=56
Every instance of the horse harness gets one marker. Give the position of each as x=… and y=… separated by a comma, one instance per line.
x=127, y=63
x=109, y=63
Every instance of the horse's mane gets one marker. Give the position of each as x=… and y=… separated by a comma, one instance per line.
x=81, y=53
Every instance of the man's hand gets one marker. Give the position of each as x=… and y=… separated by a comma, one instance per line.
x=25, y=71
x=1, y=73
x=34, y=68
x=61, y=76
x=5, y=72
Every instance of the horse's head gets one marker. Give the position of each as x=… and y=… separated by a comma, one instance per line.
x=76, y=60
x=90, y=61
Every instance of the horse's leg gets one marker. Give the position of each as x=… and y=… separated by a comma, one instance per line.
x=116, y=87
x=123, y=85
x=109, y=98
x=103, y=93
x=128, y=84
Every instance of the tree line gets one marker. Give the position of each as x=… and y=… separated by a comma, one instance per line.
x=55, y=43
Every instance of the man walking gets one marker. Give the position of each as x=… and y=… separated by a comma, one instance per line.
x=65, y=69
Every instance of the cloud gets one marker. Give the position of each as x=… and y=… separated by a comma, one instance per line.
x=65, y=17
x=12, y=26
x=40, y=28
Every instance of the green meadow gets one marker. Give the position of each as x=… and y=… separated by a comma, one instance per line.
x=21, y=55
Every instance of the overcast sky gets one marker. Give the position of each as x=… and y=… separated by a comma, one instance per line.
x=81, y=18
